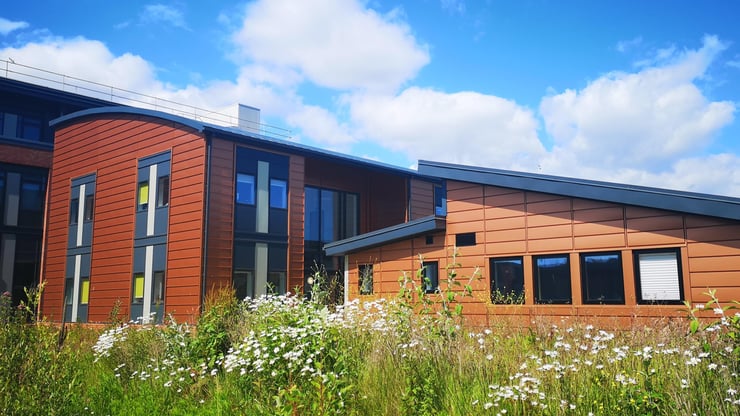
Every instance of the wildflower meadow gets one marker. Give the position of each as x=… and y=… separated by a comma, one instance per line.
x=411, y=355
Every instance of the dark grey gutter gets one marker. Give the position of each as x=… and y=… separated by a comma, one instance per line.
x=386, y=235
x=672, y=200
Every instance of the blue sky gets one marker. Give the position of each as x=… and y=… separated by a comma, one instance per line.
x=640, y=92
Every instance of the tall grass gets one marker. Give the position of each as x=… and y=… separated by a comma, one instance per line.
x=286, y=355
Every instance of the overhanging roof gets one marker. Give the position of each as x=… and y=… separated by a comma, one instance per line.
x=236, y=134
x=686, y=202
x=385, y=235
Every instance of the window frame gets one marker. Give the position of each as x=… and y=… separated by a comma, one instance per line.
x=74, y=208
x=252, y=199
x=142, y=205
x=505, y=299
x=585, y=278
x=538, y=298
x=283, y=194
x=638, y=277
x=426, y=267
x=89, y=213
x=163, y=191
x=365, y=279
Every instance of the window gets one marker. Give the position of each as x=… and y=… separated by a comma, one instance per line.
x=138, y=288
x=163, y=191
x=276, y=283
x=552, y=279
x=68, y=289
x=74, y=208
x=430, y=276
x=158, y=288
x=143, y=202
x=244, y=189
x=243, y=281
x=330, y=215
x=85, y=291
x=658, y=275
x=32, y=198
x=89, y=208
x=507, y=280
x=465, y=239
x=440, y=200
x=365, y=274
x=278, y=194
x=602, y=278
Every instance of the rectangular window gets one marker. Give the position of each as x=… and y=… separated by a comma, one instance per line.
x=312, y=215
x=89, y=208
x=143, y=202
x=278, y=194
x=32, y=198
x=243, y=281
x=163, y=191
x=244, y=189
x=29, y=128
x=430, y=275
x=552, y=279
x=602, y=278
x=68, y=291
x=138, y=288
x=507, y=280
x=84, y=291
x=158, y=288
x=658, y=275
x=74, y=207
x=365, y=273
x=440, y=201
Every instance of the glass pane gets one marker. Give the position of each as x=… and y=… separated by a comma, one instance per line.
x=143, y=195
x=30, y=128
x=602, y=278
x=84, y=291
x=311, y=224
x=278, y=194
x=138, y=287
x=163, y=191
x=31, y=197
x=89, y=205
x=158, y=288
x=244, y=189
x=351, y=223
x=508, y=281
x=365, y=273
x=431, y=279
x=329, y=218
x=552, y=280
x=276, y=283
x=243, y=282
x=74, y=208
x=68, y=292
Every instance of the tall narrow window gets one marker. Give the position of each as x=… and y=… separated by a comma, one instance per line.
x=143, y=202
x=244, y=189
x=74, y=207
x=507, y=280
x=430, y=276
x=85, y=291
x=163, y=191
x=278, y=194
x=89, y=208
x=602, y=279
x=440, y=200
x=658, y=275
x=158, y=288
x=552, y=279
x=138, y=288
x=365, y=273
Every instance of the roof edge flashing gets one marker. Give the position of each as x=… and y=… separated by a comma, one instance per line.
x=68, y=118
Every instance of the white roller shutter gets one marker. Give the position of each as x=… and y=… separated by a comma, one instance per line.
x=659, y=279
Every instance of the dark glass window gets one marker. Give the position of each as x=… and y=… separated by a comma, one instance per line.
x=244, y=189
x=507, y=280
x=365, y=273
x=29, y=128
x=658, y=276
x=552, y=279
x=430, y=274
x=163, y=191
x=330, y=215
x=465, y=239
x=32, y=198
x=74, y=208
x=278, y=194
x=602, y=278
x=313, y=209
x=158, y=288
x=440, y=200
x=2, y=190
x=69, y=291
x=89, y=207
x=143, y=196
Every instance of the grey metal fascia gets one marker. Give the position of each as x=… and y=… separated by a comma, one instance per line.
x=386, y=235
x=196, y=125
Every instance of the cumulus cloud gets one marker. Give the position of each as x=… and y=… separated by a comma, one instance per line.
x=7, y=26
x=333, y=43
x=642, y=120
x=463, y=127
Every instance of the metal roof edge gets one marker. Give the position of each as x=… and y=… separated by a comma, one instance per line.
x=386, y=235
x=687, y=202
x=196, y=125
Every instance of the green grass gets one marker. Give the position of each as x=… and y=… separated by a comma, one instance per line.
x=288, y=356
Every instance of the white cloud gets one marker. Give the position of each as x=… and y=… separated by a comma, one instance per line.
x=161, y=13
x=337, y=44
x=626, y=45
x=463, y=127
x=643, y=120
x=7, y=26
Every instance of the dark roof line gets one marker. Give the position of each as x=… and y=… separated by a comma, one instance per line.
x=386, y=235
x=667, y=199
x=235, y=133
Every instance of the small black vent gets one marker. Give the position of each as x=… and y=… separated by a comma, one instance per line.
x=465, y=239
x=430, y=239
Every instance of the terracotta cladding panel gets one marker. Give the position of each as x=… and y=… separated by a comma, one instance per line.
x=549, y=245
x=720, y=248
x=518, y=234
x=724, y=294
x=547, y=207
x=464, y=193
x=497, y=190
x=516, y=198
x=555, y=231
x=664, y=222
x=559, y=218
x=598, y=228
x=505, y=223
x=695, y=221
x=508, y=247
x=538, y=197
x=639, y=212
x=709, y=234
x=599, y=214
x=505, y=212
x=599, y=241
x=588, y=204
x=714, y=279
x=655, y=238
x=473, y=204
x=715, y=264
